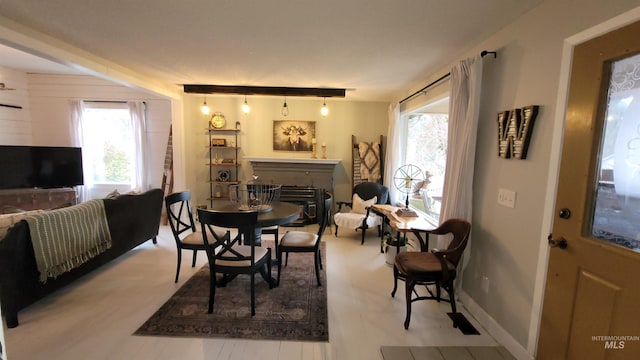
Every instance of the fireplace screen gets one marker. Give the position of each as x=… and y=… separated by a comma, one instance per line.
x=306, y=198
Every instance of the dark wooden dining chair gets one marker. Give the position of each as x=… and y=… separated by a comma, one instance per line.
x=232, y=257
x=185, y=233
x=437, y=267
x=302, y=241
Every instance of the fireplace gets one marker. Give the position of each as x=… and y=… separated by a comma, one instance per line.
x=304, y=182
x=307, y=198
x=317, y=173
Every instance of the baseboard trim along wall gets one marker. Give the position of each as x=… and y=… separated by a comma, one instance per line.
x=492, y=326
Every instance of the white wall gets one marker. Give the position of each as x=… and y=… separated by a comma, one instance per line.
x=505, y=242
x=49, y=97
x=15, y=123
x=45, y=121
x=366, y=120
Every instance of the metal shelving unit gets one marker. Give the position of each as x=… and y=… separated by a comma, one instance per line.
x=223, y=161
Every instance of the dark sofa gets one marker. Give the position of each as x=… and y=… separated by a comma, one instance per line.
x=132, y=220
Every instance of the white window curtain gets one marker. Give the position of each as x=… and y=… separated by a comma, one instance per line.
x=393, y=159
x=137, y=109
x=77, y=109
x=464, y=107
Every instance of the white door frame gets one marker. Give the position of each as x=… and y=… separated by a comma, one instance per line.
x=554, y=162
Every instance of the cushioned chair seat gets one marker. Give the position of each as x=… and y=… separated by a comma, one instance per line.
x=272, y=228
x=193, y=239
x=419, y=263
x=354, y=220
x=244, y=251
x=196, y=238
x=299, y=238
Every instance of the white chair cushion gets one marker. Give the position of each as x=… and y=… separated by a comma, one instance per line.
x=196, y=238
x=374, y=220
x=259, y=253
x=353, y=221
x=360, y=206
x=299, y=239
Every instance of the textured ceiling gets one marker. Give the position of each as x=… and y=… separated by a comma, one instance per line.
x=377, y=49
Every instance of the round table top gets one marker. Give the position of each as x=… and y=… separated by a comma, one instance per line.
x=281, y=213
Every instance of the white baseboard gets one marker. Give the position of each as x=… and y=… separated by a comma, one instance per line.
x=494, y=329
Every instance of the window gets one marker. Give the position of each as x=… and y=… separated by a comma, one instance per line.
x=426, y=147
x=616, y=208
x=109, y=148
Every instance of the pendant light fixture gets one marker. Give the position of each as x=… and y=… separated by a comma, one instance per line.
x=285, y=108
x=324, y=111
x=245, y=107
x=205, y=108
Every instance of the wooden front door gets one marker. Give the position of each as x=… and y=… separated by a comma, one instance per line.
x=591, y=304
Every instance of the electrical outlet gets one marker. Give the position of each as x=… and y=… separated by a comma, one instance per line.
x=507, y=198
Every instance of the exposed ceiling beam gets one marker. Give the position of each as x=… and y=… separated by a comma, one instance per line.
x=264, y=90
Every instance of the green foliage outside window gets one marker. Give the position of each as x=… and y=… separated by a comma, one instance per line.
x=116, y=165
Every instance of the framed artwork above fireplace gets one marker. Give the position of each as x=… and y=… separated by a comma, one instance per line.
x=293, y=135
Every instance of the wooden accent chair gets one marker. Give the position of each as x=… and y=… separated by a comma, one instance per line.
x=360, y=217
x=437, y=267
x=302, y=241
x=232, y=257
x=180, y=218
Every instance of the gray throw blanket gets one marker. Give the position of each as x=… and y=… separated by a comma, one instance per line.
x=66, y=238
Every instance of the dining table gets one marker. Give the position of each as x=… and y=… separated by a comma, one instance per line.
x=279, y=213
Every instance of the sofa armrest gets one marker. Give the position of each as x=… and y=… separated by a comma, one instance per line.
x=135, y=216
x=17, y=267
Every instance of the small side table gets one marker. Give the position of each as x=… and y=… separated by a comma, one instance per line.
x=403, y=225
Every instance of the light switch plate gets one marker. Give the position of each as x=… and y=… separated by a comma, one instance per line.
x=507, y=198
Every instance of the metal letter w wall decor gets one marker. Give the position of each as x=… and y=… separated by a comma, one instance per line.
x=514, y=131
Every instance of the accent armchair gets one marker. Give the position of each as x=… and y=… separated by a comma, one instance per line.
x=360, y=216
x=437, y=267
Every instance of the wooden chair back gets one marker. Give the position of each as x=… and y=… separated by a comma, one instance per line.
x=244, y=221
x=180, y=217
x=460, y=229
x=367, y=190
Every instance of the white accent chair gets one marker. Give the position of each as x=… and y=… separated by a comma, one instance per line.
x=360, y=216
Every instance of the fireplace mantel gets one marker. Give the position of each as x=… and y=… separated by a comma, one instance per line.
x=295, y=172
x=293, y=161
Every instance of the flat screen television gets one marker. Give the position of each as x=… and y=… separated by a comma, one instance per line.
x=40, y=167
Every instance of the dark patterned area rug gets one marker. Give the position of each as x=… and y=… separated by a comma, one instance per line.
x=296, y=310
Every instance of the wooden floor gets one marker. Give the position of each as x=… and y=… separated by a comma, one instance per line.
x=95, y=317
